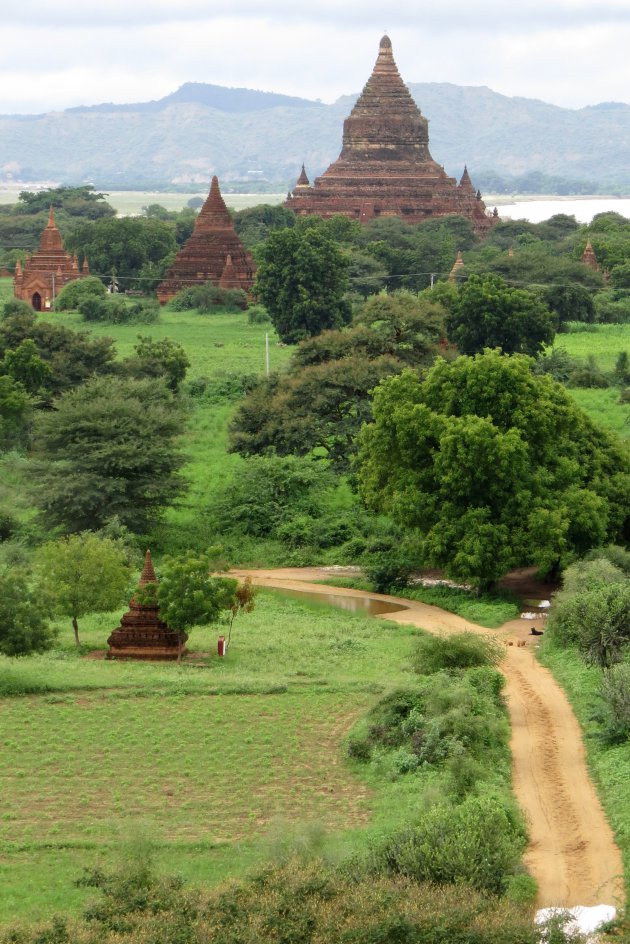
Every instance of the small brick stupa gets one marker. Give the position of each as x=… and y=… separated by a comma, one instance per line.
x=47, y=271
x=589, y=258
x=213, y=253
x=142, y=634
x=385, y=167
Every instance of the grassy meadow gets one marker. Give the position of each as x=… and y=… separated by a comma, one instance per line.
x=218, y=761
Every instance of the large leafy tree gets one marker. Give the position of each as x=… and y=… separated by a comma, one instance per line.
x=324, y=398
x=107, y=449
x=301, y=279
x=495, y=466
x=83, y=573
x=489, y=313
x=124, y=245
x=71, y=357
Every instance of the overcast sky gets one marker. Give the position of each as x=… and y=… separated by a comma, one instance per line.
x=59, y=53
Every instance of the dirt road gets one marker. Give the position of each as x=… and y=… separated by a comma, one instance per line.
x=572, y=853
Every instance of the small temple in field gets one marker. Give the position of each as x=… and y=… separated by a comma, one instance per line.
x=589, y=258
x=385, y=167
x=142, y=634
x=45, y=273
x=212, y=253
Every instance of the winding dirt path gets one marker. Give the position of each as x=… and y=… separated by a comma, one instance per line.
x=572, y=853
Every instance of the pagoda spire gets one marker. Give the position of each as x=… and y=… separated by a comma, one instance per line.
x=466, y=184
x=589, y=258
x=457, y=265
x=303, y=180
x=148, y=574
x=214, y=214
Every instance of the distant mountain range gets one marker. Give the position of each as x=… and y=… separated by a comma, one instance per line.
x=258, y=140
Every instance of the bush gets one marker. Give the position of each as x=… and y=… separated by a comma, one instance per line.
x=77, y=291
x=23, y=625
x=15, y=306
x=558, y=364
x=222, y=387
x=393, y=569
x=615, y=694
x=258, y=314
x=452, y=653
x=588, y=374
x=207, y=297
x=114, y=309
x=478, y=843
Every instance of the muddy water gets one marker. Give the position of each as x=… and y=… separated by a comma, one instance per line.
x=353, y=604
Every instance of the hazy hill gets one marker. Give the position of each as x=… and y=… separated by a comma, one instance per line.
x=245, y=135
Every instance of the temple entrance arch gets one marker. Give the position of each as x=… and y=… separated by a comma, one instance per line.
x=36, y=301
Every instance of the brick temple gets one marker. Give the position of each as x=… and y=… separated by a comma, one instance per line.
x=142, y=634
x=46, y=272
x=212, y=253
x=385, y=167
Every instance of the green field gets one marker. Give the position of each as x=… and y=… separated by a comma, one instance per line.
x=215, y=760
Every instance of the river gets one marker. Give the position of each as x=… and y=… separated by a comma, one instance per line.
x=541, y=208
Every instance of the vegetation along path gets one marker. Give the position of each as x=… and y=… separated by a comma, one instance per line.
x=572, y=853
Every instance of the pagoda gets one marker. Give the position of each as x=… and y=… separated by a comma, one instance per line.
x=142, y=634
x=385, y=167
x=212, y=253
x=46, y=272
x=589, y=258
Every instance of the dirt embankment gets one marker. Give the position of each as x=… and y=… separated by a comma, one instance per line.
x=572, y=853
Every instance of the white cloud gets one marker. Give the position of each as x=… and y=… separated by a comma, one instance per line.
x=570, y=52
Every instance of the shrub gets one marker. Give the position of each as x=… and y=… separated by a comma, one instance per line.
x=615, y=713
x=207, y=297
x=392, y=569
x=588, y=374
x=558, y=364
x=450, y=653
x=222, y=387
x=114, y=309
x=15, y=306
x=478, y=843
x=258, y=314
x=77, y=291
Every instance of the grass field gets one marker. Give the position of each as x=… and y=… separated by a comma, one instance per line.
x=216, y=761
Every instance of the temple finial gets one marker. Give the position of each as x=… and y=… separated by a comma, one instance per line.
x=148, y=574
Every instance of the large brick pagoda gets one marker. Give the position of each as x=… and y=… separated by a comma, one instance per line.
x=46, y=272
x=385, y=167
x=212, y=253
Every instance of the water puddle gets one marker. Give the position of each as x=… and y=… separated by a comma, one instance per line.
x=353, y=604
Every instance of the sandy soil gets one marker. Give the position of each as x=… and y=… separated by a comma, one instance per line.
x=572, y=853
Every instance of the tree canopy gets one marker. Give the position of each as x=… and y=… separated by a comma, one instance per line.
x=301, y=280
x=83, y=573
x=107, y=449
x=488, y=313
x=495, y=466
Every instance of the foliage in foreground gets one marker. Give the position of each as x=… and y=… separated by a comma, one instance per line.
x=23, y=625
x=295, y=903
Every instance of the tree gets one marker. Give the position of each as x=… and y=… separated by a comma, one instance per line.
x=107, y=449
x=495, y=466
x=189, y=595
x=23, y=625
x=72, y=356
x=81, y=574
x=592, y=611
x=301, y=279
x=73, y=293
x=25, y=366
x=15, y=412
x=570, y=302
x=488, y=313
x=124, y=244
x=80, y=201
x=164, y=358
x=317, y=409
